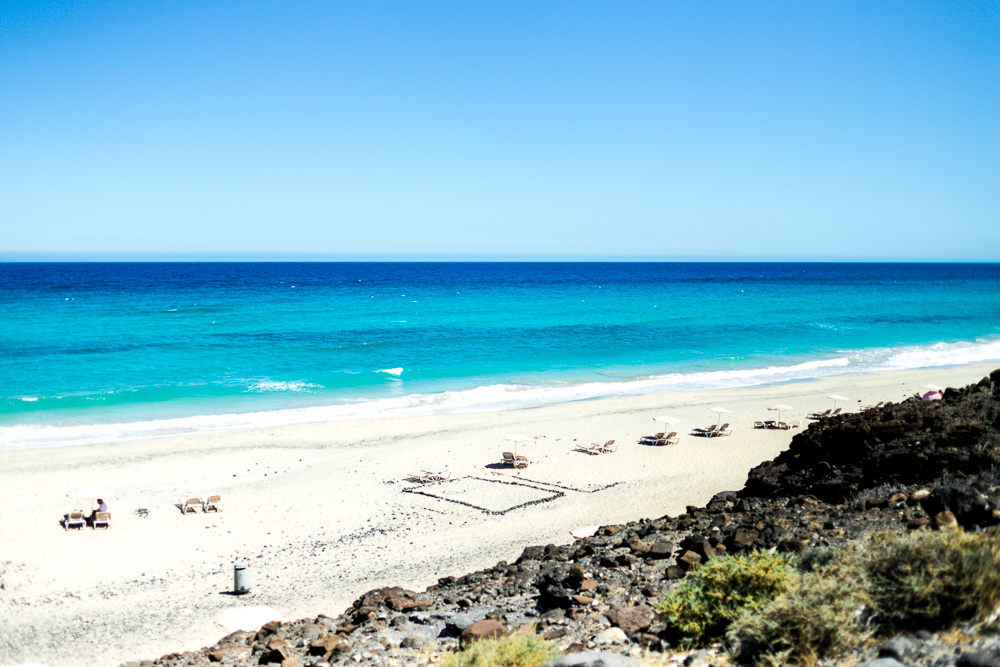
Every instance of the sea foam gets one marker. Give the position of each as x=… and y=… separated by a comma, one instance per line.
x=497, y=397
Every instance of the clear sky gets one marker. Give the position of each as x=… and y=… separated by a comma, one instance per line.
x=513, y=130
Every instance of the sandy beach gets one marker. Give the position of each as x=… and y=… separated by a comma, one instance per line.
x=321, y=512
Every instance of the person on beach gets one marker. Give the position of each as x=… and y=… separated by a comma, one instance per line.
x=101, y=507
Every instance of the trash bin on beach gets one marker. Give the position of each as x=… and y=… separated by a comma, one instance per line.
x=241, y=578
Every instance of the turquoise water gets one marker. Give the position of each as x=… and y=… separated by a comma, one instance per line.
x=93, y=352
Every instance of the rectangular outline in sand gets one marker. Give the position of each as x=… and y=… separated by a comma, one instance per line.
x=546, y=494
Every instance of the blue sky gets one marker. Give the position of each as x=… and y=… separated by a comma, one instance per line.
x=510, y=130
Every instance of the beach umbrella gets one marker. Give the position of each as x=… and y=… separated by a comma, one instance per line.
x=720, y=410
x=837, y=397
x=668, y=420
x=780, y=407
x=92, y=493
x=246, y=618
x=516, y=438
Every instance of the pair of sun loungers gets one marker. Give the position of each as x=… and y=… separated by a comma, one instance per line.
x=826, y=413
x=76, y=519
x=714, y=431
x=519, y=461
x=662, y=439
x=597, y=448
x=784, y=426
x=426, y=476
x=214, y=503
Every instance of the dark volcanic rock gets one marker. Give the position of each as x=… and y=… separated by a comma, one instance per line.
x=901, y=444
x=970, y=508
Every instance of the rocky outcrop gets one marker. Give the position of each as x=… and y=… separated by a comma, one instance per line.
x=900, y=444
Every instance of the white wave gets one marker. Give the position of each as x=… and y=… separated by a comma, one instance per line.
x=29, y=399
x=391, y=371
x=271, y=386
x=498, y=397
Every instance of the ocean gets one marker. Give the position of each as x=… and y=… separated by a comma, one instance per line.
x=100, y=352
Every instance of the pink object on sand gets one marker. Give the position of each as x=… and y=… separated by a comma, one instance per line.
x=932, y=396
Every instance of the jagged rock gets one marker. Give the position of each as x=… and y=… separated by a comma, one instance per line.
x=945, y=520
x=688, y=561
x=276, y=649
x=661, y=549
x=395, y=598
x=632, y=619
x=637, y=546
x=484, y=629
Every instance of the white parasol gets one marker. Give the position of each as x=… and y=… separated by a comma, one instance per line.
x=835, y=398
x=668, y=420
x=780, y=407
x=516, y=438
x=247, y=618
x=720, y=410
x=92, y=493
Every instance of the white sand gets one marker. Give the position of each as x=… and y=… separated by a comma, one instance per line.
x=319, y=512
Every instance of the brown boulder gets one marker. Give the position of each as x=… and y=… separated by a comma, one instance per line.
x=632, y=619
x=688, y=561
x=484, y=629
x=328, y=644
x=395, y=598
x=945, y=520
x=277, y=650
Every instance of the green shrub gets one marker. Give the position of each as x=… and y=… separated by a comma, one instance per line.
x=819, y=613
x=701, y=608
x=815, y=558
x=523, y=651
x=930, y=580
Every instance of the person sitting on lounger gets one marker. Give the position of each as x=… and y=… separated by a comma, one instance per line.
x=101, y=507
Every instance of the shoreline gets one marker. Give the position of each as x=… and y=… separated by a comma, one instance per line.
x=499, y=396
x=318, y=510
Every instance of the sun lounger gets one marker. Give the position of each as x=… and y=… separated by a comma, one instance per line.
x=436, y=475
x=820, y=415
x=707, y=432
x=794, y=424
x=669, y=439
x=74, y=519
x=592, y=448
x=214, y=503
x=102, y=520
x=873, y=407
x=722, y=430
x=661, y=439
x=508, y=459
x=836, y=412
x=420, y=477
x=192, y=505
x=608, y=447
x=521, y=461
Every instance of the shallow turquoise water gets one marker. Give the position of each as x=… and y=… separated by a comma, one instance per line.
x=103, y=351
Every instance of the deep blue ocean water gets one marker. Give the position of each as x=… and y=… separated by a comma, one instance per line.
x=95, y=352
